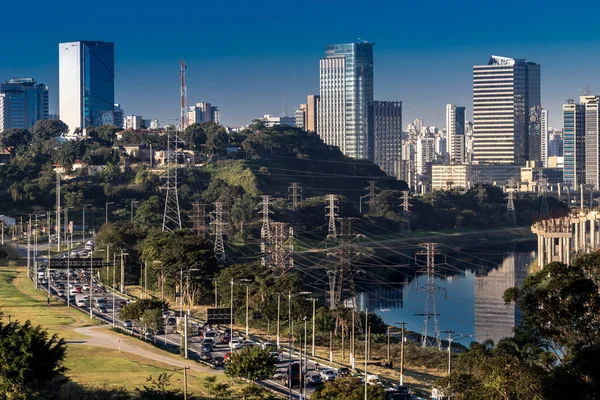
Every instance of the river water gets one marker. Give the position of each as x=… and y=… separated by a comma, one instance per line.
x=469, y=285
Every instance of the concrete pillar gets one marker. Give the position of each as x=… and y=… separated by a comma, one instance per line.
x=561, y=250
x=549, y=250
x=568, y=251
x=592, y=234
x=581, y=195
x=559, y=189
x=540, y=251
x=583, y=235
x=576, y=235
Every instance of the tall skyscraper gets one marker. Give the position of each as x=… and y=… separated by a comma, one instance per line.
x=545, y=137
x=301, y=116
x=592, y=142
x=455, y=133
x=346, y=86
x=387, y=121
x=574, y=143
x=506, y=111
x=425, y=154
x=23, y=102
x=86, y=83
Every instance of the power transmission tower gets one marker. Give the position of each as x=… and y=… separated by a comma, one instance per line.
x=343, y=274
x=480, y=193
x=279, y=248
x=199, y=219
x=218, y=225
x=405, y=225
x=372, y=189
x=331, y=209
x=296, y=195
x=265, y=230
x=544, y=211
x=172, y=214
x=510, y=207
x=430, y=287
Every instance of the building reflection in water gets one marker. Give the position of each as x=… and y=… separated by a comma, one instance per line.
x=494, y=319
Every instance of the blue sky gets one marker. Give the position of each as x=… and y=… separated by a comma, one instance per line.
x=241, y=55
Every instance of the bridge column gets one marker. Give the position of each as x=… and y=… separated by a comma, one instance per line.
x=559, y=189
x=593, y=234
x=576, y=235
x=568, y=251
x=541, y=251
x=561, y=250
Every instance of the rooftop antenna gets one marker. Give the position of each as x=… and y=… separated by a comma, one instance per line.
x=585, y=90
x=284, y=103
x=362, y=40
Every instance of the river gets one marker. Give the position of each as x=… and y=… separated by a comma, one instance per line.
x=468, y=289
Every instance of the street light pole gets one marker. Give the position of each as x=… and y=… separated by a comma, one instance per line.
x=366, y=348
x=107, y=203
x=247, y=292
x=313, y=326
x=278, y=308
x=231, y=316
x=114, y=290
x=305, y=358
x=401, y=353
x=290, y=342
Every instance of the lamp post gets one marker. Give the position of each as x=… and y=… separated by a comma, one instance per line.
x=106, y=209
x=132, y=203
x=401, y=353
x=290, y=295
x=83, y=222
x=231, y=309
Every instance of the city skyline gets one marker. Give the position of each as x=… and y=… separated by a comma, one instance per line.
x=248, y=74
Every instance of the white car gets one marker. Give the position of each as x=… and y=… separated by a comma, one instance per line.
x=236, y=344
x=328, y=374
x=86, y=286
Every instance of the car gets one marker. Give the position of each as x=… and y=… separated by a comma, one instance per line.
x=122, y=304
x=218, y=361
x=171, y=321
x=236, y=344
x=101, y=309
x=86, y=287
x=127, y=324
x=60, y=293
x=314, y=379
x=343, y=371
x=205, y=355
x=374, y=380
x=78, y=289
x=328, y=374
x=227, y=356
x=73, y=254
x=275, y=355
x=249, y=343
x=83, y=253
x=225, y=339
x=403, y=390
x=207, y=348
x=89, y=245
x=208, y=341
x=210, y=334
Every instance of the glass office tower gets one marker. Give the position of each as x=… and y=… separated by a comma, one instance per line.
x=86, y=83
x=346, y=85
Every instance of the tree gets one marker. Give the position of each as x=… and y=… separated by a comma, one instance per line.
x=252, y=363
x=159, y=389
x=194, y=136
x=15, y=138
x=136, y=311
x=152, y=319
x=348, y=388
x=48, y=128
x=29, y=360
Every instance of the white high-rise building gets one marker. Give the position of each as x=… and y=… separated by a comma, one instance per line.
x=425, y=154
x=346, y=86
x=544, y=136
x=203, y=112
x=592, y=141
x=86, y=74
x=506, y=111
x=134, y=122
x=455, y=133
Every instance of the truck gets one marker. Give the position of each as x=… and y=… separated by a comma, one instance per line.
x=293, y=374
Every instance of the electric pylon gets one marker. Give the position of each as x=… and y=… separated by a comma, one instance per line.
x=172, y=214
x=430, y=287
x=296, y=195
x=510, y=207
x=218, y=225
x=372, y=189
x=199, y=219
x=344, y=272
x=405, y=225
x=279, y=248
x=265, y=230
x=480, y=193
x=332, y=209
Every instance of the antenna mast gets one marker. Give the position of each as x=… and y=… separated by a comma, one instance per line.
x=183, y=67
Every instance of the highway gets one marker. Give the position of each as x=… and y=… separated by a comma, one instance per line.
x=169, y=337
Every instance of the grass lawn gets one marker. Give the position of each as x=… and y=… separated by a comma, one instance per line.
x=98, y=366
x=87, y=365
x=20, y=300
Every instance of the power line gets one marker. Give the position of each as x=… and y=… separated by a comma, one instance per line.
x=199, y=219
x=332, y=209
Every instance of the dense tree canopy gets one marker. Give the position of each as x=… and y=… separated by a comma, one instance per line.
x=252, y=363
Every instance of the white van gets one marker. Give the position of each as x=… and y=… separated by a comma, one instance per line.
x=374, y=380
